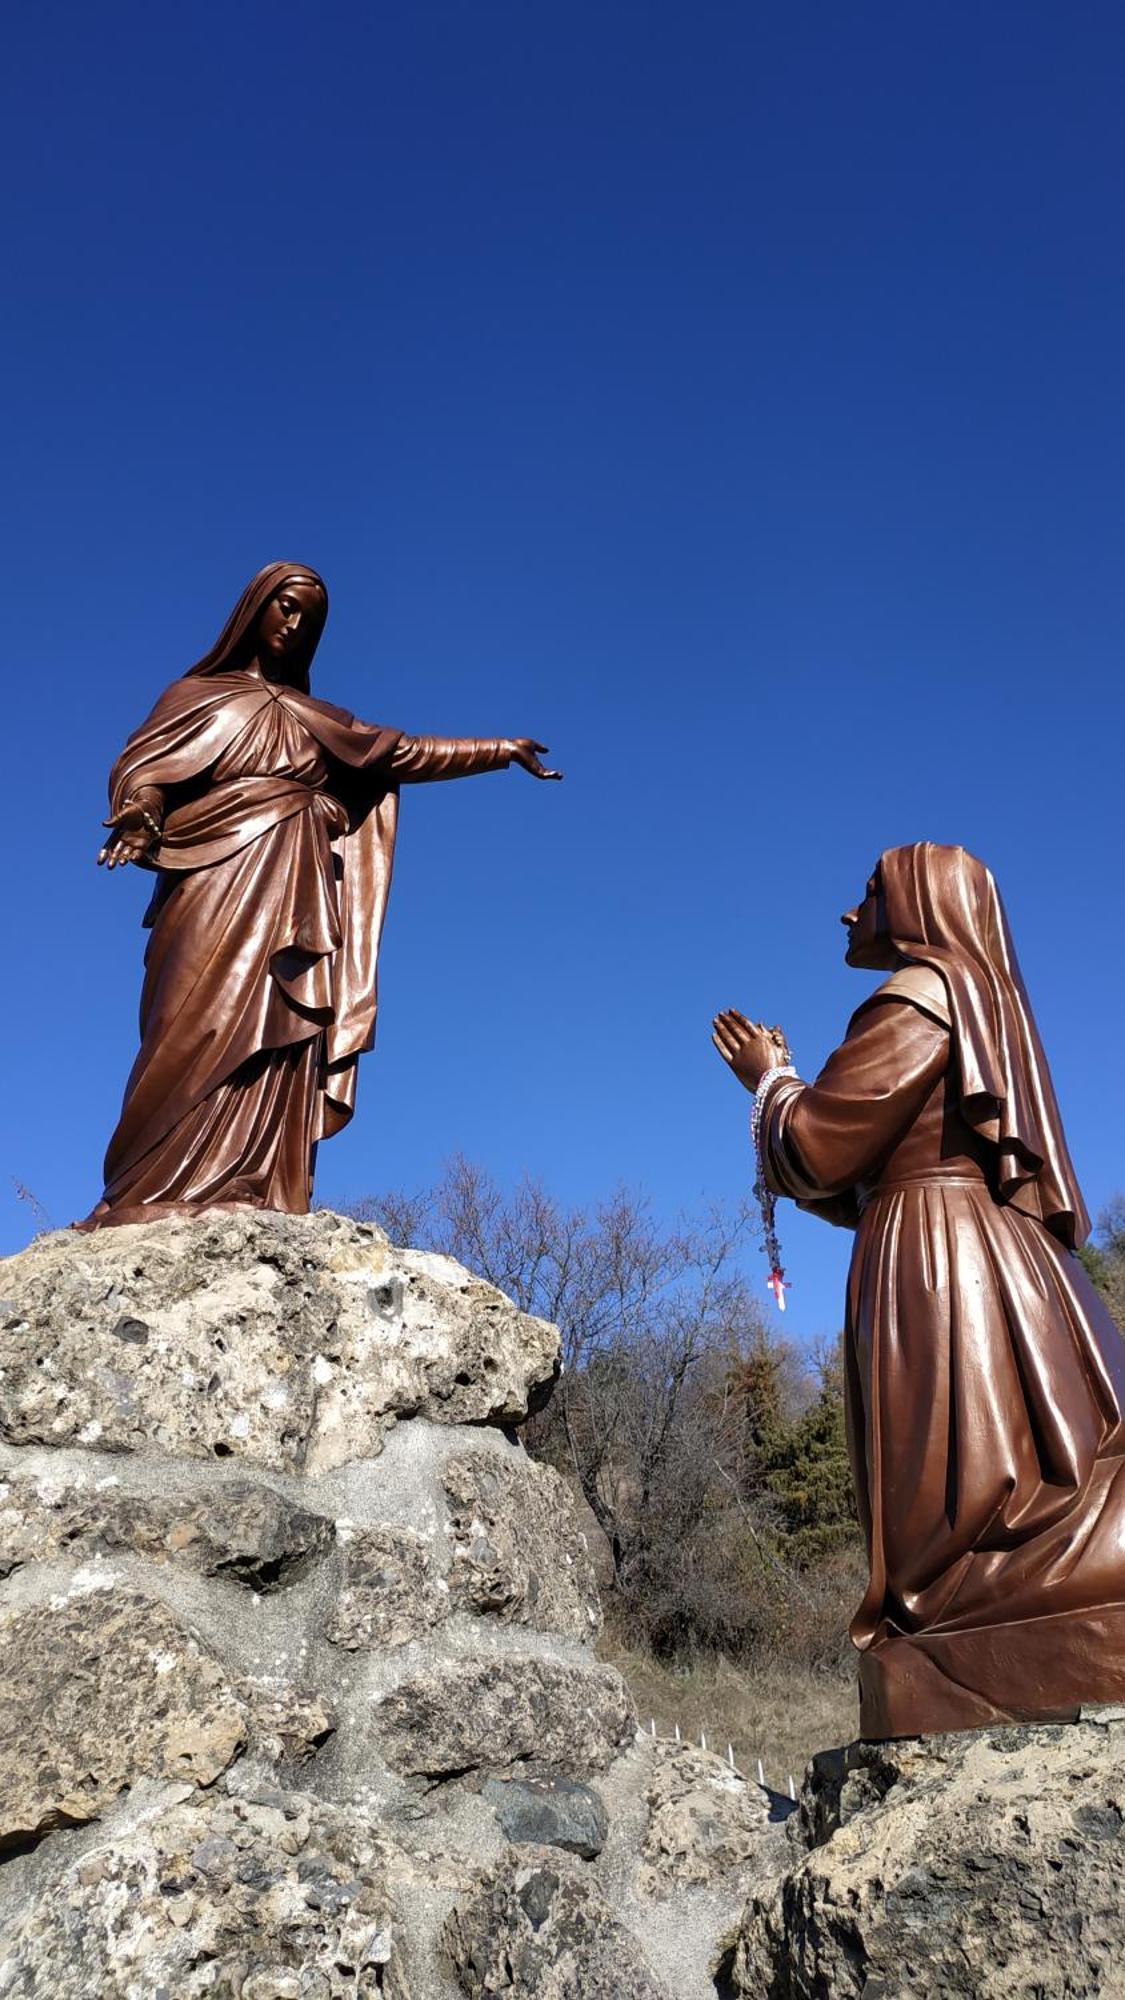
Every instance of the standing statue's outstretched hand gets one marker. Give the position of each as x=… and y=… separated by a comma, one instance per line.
x=747, y=1047
x=525, y=751
x=134, y=833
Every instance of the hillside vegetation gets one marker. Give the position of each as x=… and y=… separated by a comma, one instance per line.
x=709, y=1451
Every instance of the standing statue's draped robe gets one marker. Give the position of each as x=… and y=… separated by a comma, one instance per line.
x=259, y=995
x=985, y=1385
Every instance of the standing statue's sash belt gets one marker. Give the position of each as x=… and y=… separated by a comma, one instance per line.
x=927, y=1177
x=232, y=814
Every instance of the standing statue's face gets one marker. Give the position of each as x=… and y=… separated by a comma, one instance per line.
x=866, y=925
x=287, y=630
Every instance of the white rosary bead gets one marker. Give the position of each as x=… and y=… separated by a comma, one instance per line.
x=761, y=1099
x=764, y=1194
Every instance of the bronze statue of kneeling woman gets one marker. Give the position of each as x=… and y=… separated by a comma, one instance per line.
x=985, y=1379
x=269, y=817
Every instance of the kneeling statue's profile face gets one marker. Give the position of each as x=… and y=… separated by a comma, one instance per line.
x=868, y=944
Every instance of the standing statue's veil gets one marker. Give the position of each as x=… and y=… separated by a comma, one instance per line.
x=229, y=647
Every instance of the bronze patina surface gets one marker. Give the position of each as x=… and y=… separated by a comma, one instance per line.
x=985, y=1377
x=269, y=817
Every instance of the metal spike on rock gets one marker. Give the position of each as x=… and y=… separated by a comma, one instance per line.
x=677, y=1732
x=703, y=1739
x=652, y=1726
x=730, y=1755
x=792, y=1787
x=761, y=1773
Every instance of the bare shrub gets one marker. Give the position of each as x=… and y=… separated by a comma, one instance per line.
x=1104, y=1257
x=707, y=1450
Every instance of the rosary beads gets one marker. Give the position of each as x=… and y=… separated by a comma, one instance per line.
x=764, y=1194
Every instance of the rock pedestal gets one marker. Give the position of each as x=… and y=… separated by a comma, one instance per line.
x=986, y=1866
x=298, y=1695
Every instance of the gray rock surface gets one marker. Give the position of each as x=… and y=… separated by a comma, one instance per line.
x=490, y=1713
x=287, y=1723
x=391, y=1590
x=290, y=1341
x=295, y=1641
x=279, y=1898
x=517, y=1551
x=99, y=1687
x=538, y=1929
x=240, y=1530
x=706, y=1824
x=549, y=1812
x=979, y=1867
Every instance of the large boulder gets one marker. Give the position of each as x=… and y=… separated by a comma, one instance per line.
x=480, y=1714
x=272, y=1896
x=241, y=1529
x=982, y=1866
x=286, y=1340
x=517, y=1548
x=707, y=1827
x=538, y=1927
x=99, y=1687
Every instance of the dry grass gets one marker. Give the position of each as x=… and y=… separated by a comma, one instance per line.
x=780, y=1711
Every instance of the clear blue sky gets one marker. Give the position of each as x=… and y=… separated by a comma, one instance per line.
x=731, y=395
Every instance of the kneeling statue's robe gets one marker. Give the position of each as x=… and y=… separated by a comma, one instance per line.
x=985, y=1378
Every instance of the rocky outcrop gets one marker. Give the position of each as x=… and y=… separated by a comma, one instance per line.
x=298, y=1695
x=391, y=1590
x=985, y=1866
x=291, y=1342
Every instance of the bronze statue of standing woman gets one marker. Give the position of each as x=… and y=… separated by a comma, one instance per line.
x=269, y=817
x=985, y=1379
